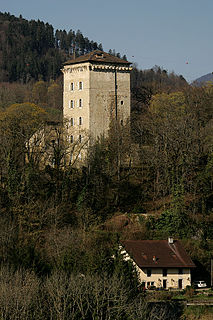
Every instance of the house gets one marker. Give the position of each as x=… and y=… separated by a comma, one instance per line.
x=160, y=263
x=96, y=90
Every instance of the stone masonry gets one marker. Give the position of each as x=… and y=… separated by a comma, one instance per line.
x=96, y=90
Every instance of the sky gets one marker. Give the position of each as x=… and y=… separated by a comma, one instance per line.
x=173, y=34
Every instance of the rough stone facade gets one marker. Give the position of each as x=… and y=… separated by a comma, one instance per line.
x=96, y=90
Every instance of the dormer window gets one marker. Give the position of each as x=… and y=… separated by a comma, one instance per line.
x=99, y=55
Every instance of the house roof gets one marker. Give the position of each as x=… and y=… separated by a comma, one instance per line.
x=158, y=254
x=98, y=56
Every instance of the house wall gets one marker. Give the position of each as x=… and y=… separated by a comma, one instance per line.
x=156, y=278
x=172, y=278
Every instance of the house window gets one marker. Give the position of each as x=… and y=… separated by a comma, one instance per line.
x=180, y=271
x=180, y=283
x=80, y=121
x=80, y=85
x=164, y=272
x=71, y=86
x=71, y=104
x=149, y=272
x=80, y=103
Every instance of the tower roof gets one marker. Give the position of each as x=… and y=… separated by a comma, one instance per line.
x=98, y=56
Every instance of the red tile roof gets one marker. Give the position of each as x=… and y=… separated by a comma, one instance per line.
x=158, y=254
x=98, y=56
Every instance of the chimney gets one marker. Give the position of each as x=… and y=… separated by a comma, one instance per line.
x=170, y=240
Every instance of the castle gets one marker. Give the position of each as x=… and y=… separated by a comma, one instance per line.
x=96, y=90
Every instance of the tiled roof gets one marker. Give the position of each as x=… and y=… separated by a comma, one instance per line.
x=158, y=254
x=98, y=56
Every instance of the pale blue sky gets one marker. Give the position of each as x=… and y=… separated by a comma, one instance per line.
x=167, y=33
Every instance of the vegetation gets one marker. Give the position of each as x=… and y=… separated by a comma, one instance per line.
x=61, y=222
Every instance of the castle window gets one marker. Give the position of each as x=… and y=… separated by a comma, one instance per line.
x=71, y=122
x=80, y=120
x=70, y=139
x=122, y=102
x=71, y=104
x=80, y=103
x=80, y=85
x=71, y=86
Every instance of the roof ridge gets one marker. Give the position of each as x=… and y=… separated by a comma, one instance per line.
x=98, y=56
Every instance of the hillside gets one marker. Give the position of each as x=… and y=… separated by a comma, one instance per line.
x=32, y=50
x=202, y=80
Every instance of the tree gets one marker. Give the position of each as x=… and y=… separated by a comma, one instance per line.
x=17, y=125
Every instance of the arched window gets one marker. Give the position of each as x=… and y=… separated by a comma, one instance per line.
x=80, y=85
x=71, y=86
x=71, y=104
x=80, y=103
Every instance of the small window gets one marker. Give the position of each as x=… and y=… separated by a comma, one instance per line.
x=149, y=272
x=71, y=86
x=180, y=271
x=70, y=139
x=122, y=102
x=72, y=122
x=164, y=272
x=80, y=103
x=71, y=104
x=80, y=121
x=152, y=283
x=80, y=138
x=80, y=85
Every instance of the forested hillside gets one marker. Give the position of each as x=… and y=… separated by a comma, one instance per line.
x=33, y=50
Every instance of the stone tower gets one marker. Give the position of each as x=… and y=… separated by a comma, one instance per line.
x=96, y=89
